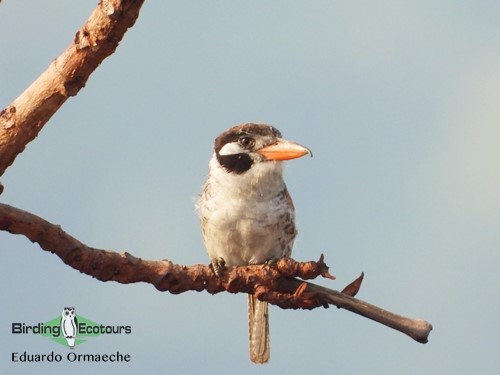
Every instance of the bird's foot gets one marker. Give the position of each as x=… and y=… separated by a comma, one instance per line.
x=218, y=265
x=271, y=261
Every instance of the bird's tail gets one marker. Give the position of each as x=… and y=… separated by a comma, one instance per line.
x=258, y=325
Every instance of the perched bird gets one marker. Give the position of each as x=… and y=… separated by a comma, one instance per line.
x=246, y=213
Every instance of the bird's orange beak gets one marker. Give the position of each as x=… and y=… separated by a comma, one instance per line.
x=284, y=150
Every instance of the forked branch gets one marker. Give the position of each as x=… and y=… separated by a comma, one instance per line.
x=281, y=284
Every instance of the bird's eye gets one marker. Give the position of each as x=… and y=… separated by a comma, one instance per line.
x=246, y=142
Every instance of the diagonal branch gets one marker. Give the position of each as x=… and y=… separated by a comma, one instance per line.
x=281, y=284
x=278, y=284
x=21, y=121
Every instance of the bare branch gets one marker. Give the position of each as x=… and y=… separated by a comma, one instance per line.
x=21, y=121
x=281, y=284
x=277, y=284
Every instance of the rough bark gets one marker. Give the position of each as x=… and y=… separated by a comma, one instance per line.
x=21, y=121
x=280, y=284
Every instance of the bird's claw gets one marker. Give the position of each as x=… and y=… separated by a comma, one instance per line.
x=218, y=265
x=271, y=261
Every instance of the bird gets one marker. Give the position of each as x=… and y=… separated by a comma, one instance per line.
x=69, y=325
x=247, y=215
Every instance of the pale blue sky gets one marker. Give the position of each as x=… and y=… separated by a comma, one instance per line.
x=399, y=101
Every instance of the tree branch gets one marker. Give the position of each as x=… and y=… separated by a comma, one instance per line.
x=21, y=121
x=277, y=284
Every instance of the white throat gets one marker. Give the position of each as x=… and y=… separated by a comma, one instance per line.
x=263, y=181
